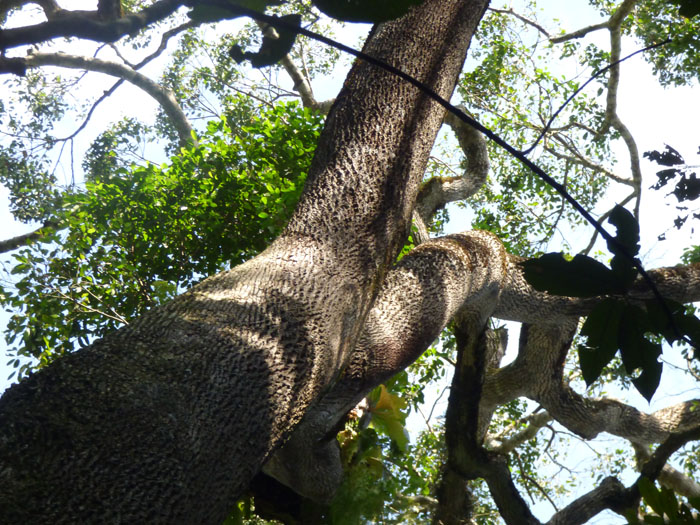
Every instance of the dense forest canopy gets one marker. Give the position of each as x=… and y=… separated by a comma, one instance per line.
x=238, y=305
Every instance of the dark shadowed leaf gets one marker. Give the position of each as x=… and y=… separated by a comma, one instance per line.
x=639, y=355
x=203, y=12
x=627, y=230
x=272, y=49
x=601, y=330
x=688, y=188
x=580, y=277
x=670, y=157
x=660, y=318
x=665, y=176
x=372, y=11
x=626, y=245
x=688, y=8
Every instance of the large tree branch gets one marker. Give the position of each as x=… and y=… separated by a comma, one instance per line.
x=439, y=191
x=206, y=387
x=88, y=25
x=432, y=283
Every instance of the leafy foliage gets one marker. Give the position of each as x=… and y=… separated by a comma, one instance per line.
x=137, y=235
x=512, y=90
x=615, y=323
x=665, y=506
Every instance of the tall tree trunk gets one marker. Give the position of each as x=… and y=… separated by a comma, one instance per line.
x=168, y=419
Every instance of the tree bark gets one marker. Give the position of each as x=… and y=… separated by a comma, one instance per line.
x=168, y=419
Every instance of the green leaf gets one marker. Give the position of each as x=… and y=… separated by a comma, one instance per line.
x=370, y=11
x=651, y=494
x=638, y=353
x=272, y=50
x=601, y=330
x=580, y=277
x=626, y=245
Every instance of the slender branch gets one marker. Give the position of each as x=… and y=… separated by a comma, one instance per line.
x=523, y=19
x=163, y=45
x=579, y=33
x=438, y=191
x=535, y=423
x=583, y=161
x=300, y=80
x=161, y=94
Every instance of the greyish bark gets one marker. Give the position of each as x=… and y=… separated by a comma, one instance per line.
x=168, y=419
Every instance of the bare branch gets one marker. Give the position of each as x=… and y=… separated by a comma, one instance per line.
x=161, y=94
x=300, y=80
x=535, y=422
x=523, y=19
x=579, y=33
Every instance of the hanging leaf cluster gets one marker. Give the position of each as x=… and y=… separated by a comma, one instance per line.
x=615, y=324
x=665, y=506
x=677, y=172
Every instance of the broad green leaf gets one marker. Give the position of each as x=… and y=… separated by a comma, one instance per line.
x=651, y=494
x=626, y=246
x=272, y=50
x=638, y=353
x=601, y=330
x=371, y=11
x=580, y=277
x=684, y=324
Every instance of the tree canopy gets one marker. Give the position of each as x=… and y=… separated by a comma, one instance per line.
x=243, y=303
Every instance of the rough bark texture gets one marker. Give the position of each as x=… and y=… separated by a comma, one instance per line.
x=167, y=420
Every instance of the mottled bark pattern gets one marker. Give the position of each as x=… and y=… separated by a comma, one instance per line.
x=167, y=420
